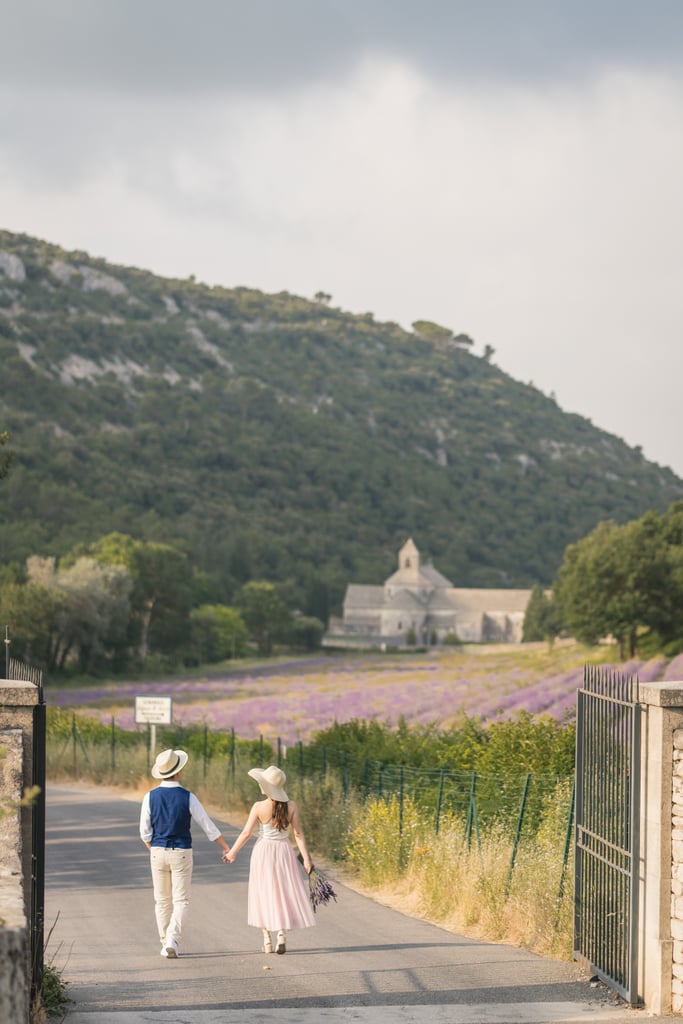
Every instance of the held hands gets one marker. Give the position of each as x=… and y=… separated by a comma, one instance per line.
x=229, y=857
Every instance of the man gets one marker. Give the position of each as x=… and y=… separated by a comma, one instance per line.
x=165, y=819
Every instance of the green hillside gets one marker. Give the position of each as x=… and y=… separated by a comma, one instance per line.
x=275, y=437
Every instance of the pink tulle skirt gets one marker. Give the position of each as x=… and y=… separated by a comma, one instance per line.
x=278, y=895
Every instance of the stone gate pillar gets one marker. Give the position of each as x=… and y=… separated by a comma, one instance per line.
x=17, y=701
x=660, y=915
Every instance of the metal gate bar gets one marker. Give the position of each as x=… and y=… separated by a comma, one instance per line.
x=607, y=815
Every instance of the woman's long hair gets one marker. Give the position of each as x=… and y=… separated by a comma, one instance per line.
x=281, y=815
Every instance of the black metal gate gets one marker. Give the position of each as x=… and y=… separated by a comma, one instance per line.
x=26, y=673
x=607, y=816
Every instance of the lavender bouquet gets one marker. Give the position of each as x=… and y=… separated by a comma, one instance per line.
x=319, y=889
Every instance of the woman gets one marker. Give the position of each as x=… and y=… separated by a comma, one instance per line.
x=278, y=898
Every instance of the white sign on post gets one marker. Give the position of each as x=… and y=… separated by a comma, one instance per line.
x=156, y=711
x=153, y=709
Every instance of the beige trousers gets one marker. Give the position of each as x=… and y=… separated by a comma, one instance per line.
x=172, y=878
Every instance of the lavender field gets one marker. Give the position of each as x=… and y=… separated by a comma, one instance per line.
x=293, y=700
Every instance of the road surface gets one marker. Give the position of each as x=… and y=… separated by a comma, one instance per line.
x=362, y=963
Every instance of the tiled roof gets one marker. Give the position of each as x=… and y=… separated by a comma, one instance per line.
x=406, y=600
x=361, y=595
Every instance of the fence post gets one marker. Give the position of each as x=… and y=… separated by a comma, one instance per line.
x=232, y=754
x=472, y=819
x=206, y=748
x=73, y=738
x=345, y=775
x=260, y=748
x=400, y=801
x=279, y=752
x=439, y=800
x=113, y=744
x=520, y=820
x=301, y=757
x=567, y=844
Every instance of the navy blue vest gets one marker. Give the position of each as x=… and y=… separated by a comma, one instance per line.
x=169, y=808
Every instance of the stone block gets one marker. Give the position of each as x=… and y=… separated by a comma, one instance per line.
x=11, y=787
x=14, y=991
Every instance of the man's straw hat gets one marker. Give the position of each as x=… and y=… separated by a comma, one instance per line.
x=168, y=763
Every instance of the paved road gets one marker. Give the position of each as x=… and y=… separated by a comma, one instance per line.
x=362, y=962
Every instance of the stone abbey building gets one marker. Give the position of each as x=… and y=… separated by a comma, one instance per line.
x=417, y=604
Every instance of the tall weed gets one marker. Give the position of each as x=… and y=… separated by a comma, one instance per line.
x=382, y=839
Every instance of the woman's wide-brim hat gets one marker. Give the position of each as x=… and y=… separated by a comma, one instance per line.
x=272, y=781
x=168, y=763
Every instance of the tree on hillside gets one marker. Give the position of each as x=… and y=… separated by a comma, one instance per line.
x=307, y=632
x=615, y=582
x=541, y=619
x=265, y=614
x=5, y=457
x=667, y=606
x=96, y=612
x=161, y=589
x=84, y=610
x=439, y=336
x=34, y=615
x=218, y=633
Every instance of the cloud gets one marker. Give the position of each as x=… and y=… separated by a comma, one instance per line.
x=178, y=49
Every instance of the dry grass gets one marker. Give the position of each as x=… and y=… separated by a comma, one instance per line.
x=469, y=888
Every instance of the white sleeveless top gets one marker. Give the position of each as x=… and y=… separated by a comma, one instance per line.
x=268, y=831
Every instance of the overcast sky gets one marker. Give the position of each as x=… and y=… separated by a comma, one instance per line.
x=511, y=169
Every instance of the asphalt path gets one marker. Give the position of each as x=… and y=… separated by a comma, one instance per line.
x=363, y=962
